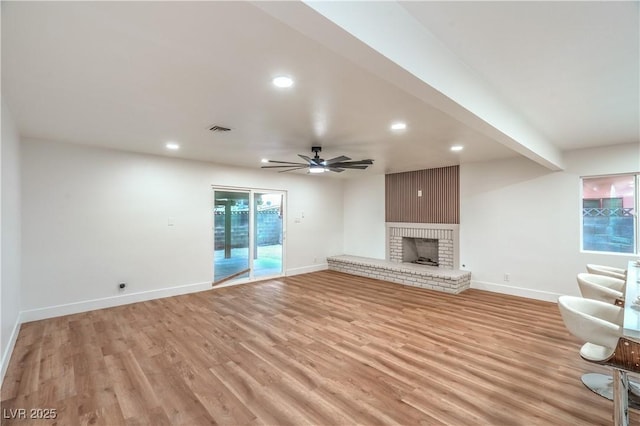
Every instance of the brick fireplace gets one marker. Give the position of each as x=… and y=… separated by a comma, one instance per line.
x=443, y=236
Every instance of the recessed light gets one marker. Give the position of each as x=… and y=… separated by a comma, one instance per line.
x=283, y=81
x=172, y=146
x=264, y=160
x=399, y=125
x=457, y=148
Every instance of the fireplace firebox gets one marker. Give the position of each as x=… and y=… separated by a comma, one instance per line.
x=423, y=251
x=425, y=243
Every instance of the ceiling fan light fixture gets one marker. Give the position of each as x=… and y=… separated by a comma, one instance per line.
x=319, y=165
x=264, y=160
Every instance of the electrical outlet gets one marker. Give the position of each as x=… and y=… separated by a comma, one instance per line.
x=507, y=276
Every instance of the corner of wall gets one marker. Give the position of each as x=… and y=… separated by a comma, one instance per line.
x=6, y=355
x=11, y=240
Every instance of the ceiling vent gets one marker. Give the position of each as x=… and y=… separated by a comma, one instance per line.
x=220, y=129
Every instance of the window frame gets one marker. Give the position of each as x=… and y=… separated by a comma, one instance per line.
x=636, y=221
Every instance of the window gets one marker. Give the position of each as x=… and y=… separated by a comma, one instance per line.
x=609, y=213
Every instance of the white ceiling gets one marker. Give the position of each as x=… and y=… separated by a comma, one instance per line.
x=134, y=76
x=571, y=68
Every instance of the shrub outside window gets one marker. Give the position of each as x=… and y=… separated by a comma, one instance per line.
x=609, y=213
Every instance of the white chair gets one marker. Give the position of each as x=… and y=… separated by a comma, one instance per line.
x=600, y=325
x=602, y=287
x=608, y=271
x=610, y=290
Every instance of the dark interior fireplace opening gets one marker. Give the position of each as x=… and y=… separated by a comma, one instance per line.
x=423, y=251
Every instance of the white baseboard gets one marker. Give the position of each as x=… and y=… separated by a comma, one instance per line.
x=125, y=299
x=516, y=291
x=307, y=269
x=108, y=302
x=6, y=356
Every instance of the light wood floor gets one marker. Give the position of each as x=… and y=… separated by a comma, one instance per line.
x=323, y=348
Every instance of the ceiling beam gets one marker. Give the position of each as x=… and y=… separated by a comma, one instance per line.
x=402, y=51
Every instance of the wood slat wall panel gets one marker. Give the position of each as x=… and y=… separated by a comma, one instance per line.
x=440, y=201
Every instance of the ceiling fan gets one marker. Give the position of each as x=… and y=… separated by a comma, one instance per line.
x=319, y=165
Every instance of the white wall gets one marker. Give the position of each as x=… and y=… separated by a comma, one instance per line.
x=10, y=245
x=94, y=217
x=364, y=228
x=519, y=218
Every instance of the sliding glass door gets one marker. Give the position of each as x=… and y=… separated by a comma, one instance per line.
x=248, y=234
x=231, y=235
x=267, y=251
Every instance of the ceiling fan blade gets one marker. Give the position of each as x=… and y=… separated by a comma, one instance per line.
x=351, y=166
x=295, y=168
x=336, y=160
x=335, y=169
x=285, y=162
x=359, y=162
x=310, y=160
x=285, y=166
